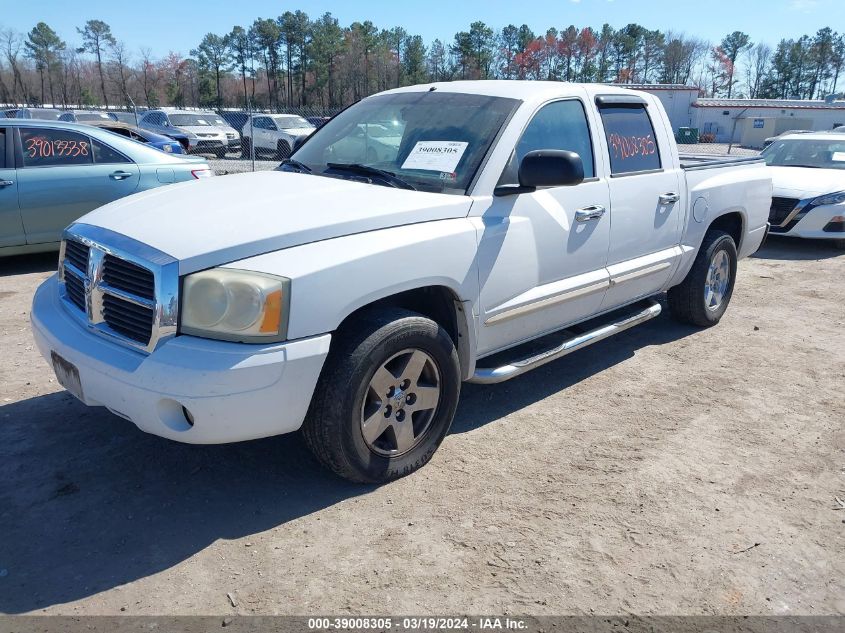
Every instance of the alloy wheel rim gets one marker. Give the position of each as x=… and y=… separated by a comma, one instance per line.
x=717, y=281
x=400, y=403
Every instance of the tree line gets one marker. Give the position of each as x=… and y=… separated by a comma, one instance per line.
x=293, y=61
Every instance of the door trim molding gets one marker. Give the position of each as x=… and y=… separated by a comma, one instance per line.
x=642, y=272
x=548, y=302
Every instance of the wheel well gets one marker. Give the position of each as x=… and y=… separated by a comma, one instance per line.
x=730, y=223
x=438, y=303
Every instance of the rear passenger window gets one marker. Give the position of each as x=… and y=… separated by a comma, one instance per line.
x=103, y=154
x=2, y=149
x=558, y=125
x=44, y=147
x=630, y=138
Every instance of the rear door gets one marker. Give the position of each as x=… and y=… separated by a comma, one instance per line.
x=646, y=208
x=11, y=225
x=62, y=175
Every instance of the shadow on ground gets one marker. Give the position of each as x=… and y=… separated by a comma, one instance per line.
x=26, y=264
x=794, y=249
x=88, y=502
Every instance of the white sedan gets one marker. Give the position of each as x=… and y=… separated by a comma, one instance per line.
x=808, y=198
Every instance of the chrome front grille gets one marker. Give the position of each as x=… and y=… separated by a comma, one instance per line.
x=119, y=287
x=123, y=275
x=76, y=254
x=131, y=320
x=75, y=288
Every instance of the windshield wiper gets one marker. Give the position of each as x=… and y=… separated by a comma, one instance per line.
x=388, y=176
x=297, y=165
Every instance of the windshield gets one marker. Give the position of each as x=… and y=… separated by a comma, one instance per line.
x=198, y=120
x=434, y=141
x=806, y=153
x=291, y=122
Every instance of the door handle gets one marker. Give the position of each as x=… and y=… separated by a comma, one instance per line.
x=6, y=183
x=593, y=212
x=669, y=198
x=119, y=175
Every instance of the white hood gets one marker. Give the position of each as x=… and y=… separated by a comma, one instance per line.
x=806, y=182
x=203, y=129
x=299, y=131
x=219, y=220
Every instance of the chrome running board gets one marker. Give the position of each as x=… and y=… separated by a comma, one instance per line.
x=488, y=376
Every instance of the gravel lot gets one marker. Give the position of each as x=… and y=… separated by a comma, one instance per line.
x=664, y=471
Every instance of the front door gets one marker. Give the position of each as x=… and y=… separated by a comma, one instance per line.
x=11, y=225
x=542, y=254
x=64, y=175
x=646, y=205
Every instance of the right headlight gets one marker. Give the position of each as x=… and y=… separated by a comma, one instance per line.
x=829, y=198
x=235, y=305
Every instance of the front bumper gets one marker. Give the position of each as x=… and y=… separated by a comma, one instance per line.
x=232, y=391
x=817, y=223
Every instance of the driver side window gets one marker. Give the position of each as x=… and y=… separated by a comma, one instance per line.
x=558, y=125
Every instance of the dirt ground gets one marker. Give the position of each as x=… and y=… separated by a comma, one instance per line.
x=664, y=471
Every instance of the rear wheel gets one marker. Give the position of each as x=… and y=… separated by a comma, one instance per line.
x=246, y=147
x=386, y=397
x=703, y=296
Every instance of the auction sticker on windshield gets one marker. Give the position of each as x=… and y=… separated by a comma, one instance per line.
x=442, y=156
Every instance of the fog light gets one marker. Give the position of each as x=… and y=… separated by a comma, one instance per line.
x=836, y=225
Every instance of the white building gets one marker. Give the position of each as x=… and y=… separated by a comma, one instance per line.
x=749, y=121
x=746, y=122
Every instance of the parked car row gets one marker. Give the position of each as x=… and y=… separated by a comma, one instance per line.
x=54, y=172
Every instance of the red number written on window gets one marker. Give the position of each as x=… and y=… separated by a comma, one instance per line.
x=629, y=146
x=40, y=147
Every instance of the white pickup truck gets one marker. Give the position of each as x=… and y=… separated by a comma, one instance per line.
x=515, y=222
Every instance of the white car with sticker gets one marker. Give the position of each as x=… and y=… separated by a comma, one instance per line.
x=808, y=175
x=350, y=292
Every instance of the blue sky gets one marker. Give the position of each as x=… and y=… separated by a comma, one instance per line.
x=165, y=25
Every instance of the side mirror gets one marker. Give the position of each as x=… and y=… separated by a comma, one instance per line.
x=551, y=168
x=298, y=142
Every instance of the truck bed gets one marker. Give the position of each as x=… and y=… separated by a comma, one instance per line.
x=708, y=161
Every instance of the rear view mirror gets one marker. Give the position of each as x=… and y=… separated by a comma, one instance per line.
x=551, y=168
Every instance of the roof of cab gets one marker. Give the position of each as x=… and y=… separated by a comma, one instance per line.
x=518, y=88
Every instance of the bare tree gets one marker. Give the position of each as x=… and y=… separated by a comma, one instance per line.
x=757, y=64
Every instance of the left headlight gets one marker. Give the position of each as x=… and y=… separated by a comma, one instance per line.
x=829, y=198
x=235, y=305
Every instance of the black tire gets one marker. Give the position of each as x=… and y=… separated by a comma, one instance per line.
x=687, y=300
x=333, y=426
x=840, y=244
x=221, y=153
x=283, y=150
x=246, y=147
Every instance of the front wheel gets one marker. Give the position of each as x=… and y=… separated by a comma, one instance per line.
x=283, y=150
x=386, y=397
x=703, y=296
x=246, y=147
x=221, y=152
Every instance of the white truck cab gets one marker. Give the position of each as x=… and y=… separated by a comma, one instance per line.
x=350, y=298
